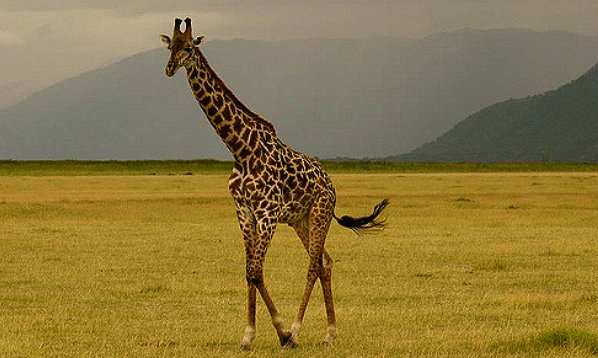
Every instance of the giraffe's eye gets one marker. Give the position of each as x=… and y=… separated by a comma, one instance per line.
x=188, y=49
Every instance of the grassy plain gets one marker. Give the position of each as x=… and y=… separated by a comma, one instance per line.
x=471, y=264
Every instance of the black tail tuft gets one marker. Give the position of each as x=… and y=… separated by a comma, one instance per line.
x=359, y=225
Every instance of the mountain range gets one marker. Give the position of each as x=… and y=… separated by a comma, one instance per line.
x=329, y=98
x=559, y=125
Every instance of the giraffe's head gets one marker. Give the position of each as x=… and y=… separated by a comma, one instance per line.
x=182, y=46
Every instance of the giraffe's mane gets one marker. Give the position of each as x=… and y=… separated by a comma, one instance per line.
x=261, y=121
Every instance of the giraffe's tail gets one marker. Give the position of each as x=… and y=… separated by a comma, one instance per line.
x=359, y=225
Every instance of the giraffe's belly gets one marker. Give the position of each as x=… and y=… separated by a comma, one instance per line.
x=287, y=198
x=297, y=202
x=294, y=211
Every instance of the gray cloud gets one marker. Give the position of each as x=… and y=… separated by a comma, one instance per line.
x=149, y=6
x=337, y=18
x=51, y=40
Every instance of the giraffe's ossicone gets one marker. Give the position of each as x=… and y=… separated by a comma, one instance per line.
x=271, y=183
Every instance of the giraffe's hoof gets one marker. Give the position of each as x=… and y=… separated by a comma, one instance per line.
x=327, y=342
x=247, y=339
x=245, y=346
x=286, y=340
x=330, y=336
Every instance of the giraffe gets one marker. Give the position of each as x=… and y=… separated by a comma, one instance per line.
x=271, y=184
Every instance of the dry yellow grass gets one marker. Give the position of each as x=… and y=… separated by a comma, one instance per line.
x=152, y=266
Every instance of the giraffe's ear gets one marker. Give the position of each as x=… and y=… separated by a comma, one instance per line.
x=165, y=39
x=199, y=40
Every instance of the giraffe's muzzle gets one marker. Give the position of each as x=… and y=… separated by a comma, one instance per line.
x=171, y=68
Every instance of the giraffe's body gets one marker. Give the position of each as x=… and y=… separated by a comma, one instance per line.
x=271, y=183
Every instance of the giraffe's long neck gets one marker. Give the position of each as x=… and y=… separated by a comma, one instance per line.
x=239, y=128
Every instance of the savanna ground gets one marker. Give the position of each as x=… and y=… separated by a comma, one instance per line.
x=130, y=265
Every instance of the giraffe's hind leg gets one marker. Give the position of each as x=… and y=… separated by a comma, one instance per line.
x=312, y=233
x=326, y=280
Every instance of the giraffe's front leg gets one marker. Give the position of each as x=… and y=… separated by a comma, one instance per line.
x=249, y=334
x=247, y=225
x=265, y=230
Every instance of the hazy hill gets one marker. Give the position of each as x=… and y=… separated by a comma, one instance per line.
x=560, y=125
x=353, y=98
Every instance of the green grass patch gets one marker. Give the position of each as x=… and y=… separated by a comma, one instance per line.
x=389, y=167
x=494, y=265
x=113, y=167
x=191, y=167
x=562, y=338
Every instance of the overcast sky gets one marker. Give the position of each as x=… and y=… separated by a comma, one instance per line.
x=43, y=41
